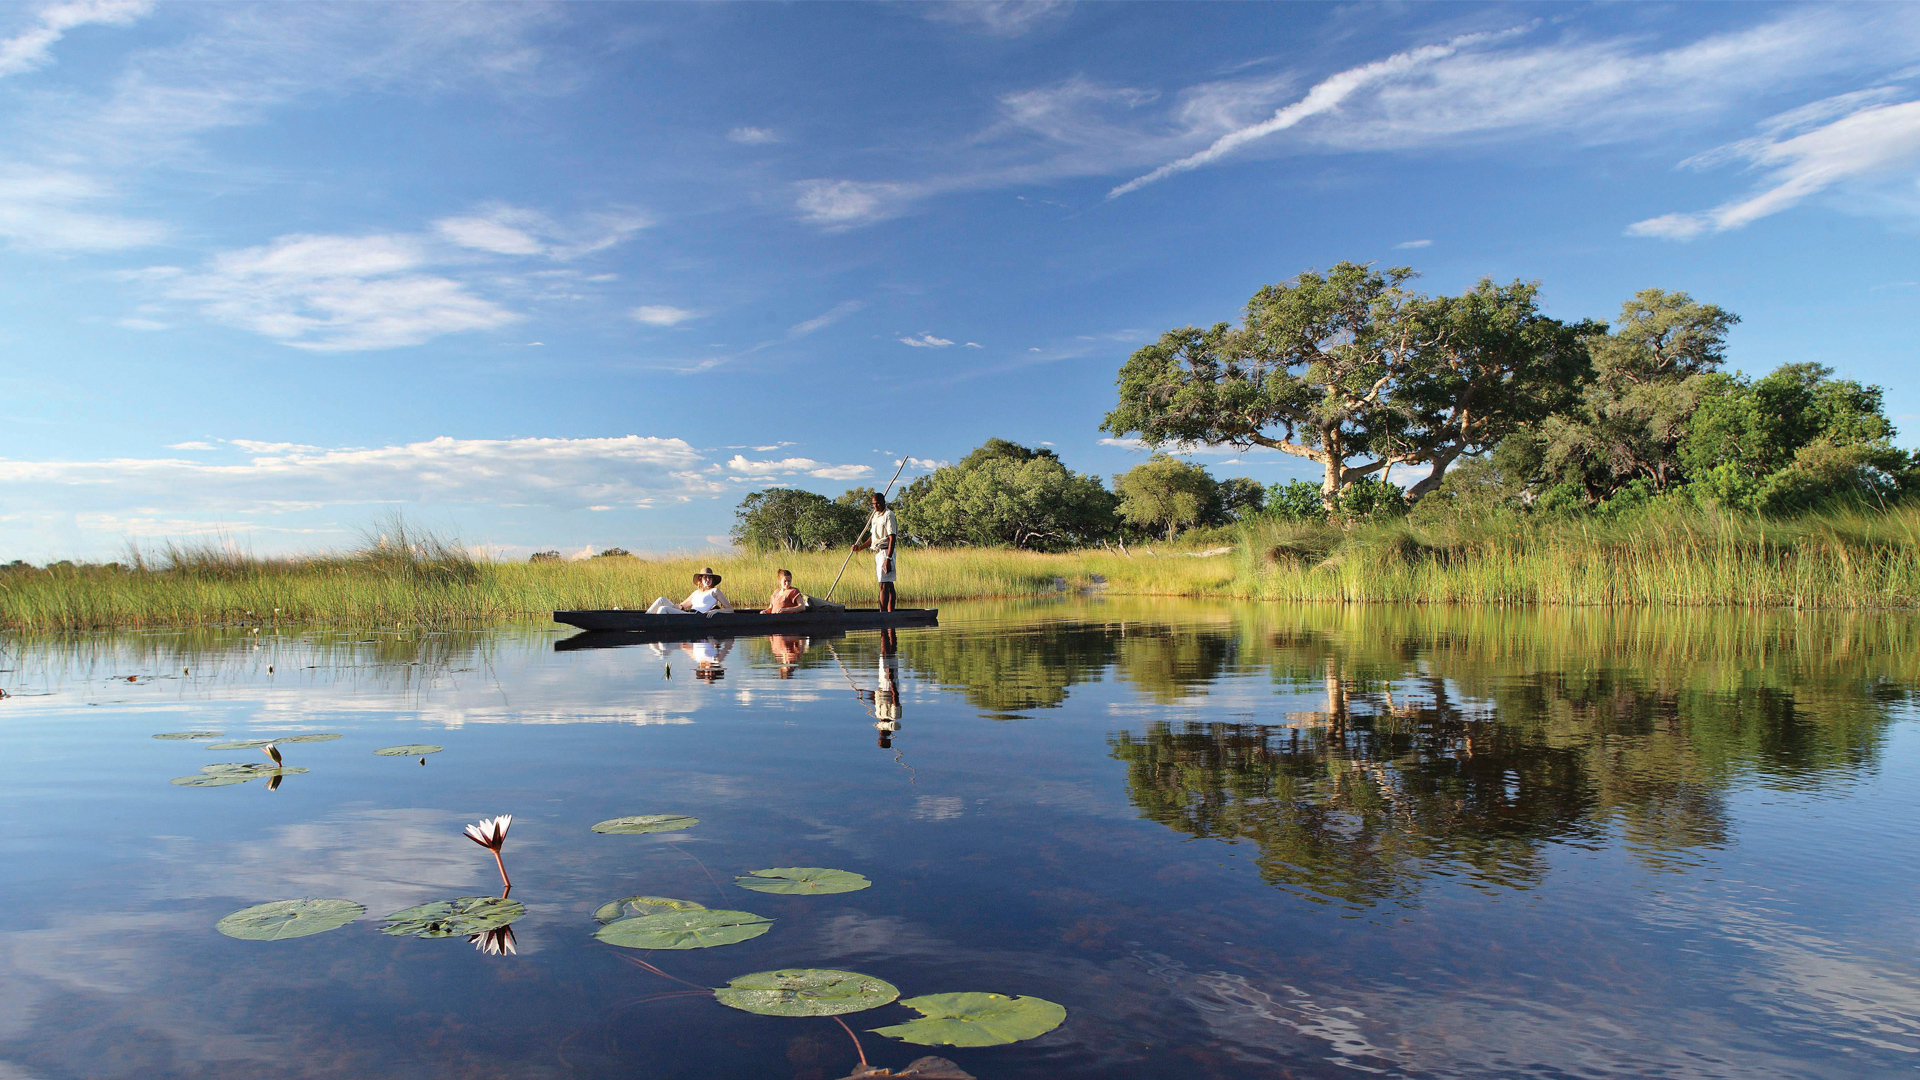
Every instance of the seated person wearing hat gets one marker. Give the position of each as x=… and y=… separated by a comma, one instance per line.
x=785, y=597
x=706, y=596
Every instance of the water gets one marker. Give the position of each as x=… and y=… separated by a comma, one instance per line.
x=1233, y=841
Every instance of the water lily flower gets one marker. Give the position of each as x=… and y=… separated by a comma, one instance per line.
x=273, y=752
x=491, y=833
x=495, y=942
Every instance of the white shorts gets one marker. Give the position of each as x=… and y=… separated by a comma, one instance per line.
x=881, y=571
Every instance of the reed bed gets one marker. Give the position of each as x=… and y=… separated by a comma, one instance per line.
x=1673, y=558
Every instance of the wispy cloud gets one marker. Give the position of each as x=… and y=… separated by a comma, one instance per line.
x=33, y=47
x=926, y=340
x=631, y=471
x=825, y=319
x=512, y=230
x=1412, y=244
x=1001, y=18
x=753, y=136
x=1866, y=142
x=838, y=204
x=661, y=315
x=60, y=210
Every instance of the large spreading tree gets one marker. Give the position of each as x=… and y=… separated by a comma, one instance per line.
x=1357, y=373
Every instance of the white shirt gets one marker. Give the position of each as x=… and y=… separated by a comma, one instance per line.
x=704, y=599
x=883, y=529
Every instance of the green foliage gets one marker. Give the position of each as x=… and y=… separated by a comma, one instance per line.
x=806, y=992
x=802, y=881
x=1649, y=374
x=1167, y=494
x=788, y=519
x=646, y=823
x=1297, y=500
x=973, y=1019
x=1005, y=494
x=1240, y=496
x=692, y=929
x=281, y=920
x=1351, y=365
x=1371, y=498
x=460, y=917
x=641, y=905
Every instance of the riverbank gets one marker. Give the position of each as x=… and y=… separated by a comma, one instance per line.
x=1838, y=561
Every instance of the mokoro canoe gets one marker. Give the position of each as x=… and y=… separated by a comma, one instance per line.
x=739, y=623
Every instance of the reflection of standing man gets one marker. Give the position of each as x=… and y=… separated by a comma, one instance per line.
x=886, y=699
x=882, y=538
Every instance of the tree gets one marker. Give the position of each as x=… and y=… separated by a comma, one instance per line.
x=787, y=519
x=1789, y=440
x=1648, y=377
x=1352, y=366
x=1007, y=494
x=1240, y=496
x=1167, y=494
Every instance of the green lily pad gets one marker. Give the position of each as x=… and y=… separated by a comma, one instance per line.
x=701, y=929
x=646, y=823
x=409, y=750
x=240, y=744
x=283, y=919
x=204, y=780
x=190, y=735
x=247, y=770
x=976, y=1020
x=806, y=992
x=803, y=880
x=319, y=736
x=641, y=905
x=460, y=917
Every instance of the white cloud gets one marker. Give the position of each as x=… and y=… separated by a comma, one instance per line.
x=753, y=136
x=192, y=446
x=511, y=230
x=845, y=203
x=794, y=466
x=926, y=340
x=975, y=345
x=57, y=210
x=661, y=315
x=136, y=323
x=1873, y=141
x=826, y=318
x=1413, y=244
x=337, y=293
x=33, y=47
x=629, y=471
x=1001, y=18
x=1323, y=98
x=1125, y=444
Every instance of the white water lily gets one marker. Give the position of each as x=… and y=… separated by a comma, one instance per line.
x=273, y=752
x=495, y=942
x=491, y=833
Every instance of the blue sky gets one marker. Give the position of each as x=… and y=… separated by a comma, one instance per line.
x=580, y=275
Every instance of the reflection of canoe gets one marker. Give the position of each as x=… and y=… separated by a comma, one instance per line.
x=745, y=623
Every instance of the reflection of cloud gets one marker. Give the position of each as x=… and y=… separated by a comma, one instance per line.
x=938, y=807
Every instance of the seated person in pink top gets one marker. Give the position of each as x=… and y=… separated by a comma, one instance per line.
x=785, y=597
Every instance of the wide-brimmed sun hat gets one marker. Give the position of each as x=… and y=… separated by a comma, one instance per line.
x=707, y=572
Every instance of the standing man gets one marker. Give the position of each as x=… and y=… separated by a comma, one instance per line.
x=881, y=537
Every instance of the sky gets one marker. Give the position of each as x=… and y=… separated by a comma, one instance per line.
x=582, y=275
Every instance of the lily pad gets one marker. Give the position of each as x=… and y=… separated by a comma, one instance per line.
x=628, y=906
x=318, y=736
x=190, y=735
x=646, y=823
x=459, y=917
x=806, y=992
x=684, y=929
x=409, y=750
x=204, y=780
x=283, y=919
x=976, y=1020
x=239, y=744
x=803, y=880
x=247, y=770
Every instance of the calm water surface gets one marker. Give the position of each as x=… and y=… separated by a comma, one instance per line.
x=1234, y=841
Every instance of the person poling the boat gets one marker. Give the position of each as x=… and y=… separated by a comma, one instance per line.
x=785, y=597
x=882, y=535
x=705, y=597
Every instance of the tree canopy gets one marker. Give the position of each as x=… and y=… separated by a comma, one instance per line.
x=788, y=519
x=1357, y=373
x=1007, y=494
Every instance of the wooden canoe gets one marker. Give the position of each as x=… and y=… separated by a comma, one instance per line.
x=747, y=623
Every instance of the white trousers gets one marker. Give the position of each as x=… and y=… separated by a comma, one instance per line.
x=664, y=606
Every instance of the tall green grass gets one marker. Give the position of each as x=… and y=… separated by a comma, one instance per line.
x=1672, y=558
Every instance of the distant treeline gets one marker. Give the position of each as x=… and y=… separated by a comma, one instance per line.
x=1503, y=408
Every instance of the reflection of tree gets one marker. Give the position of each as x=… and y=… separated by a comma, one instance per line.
x=1466, y=744
x=1168, y=663
x=1009, y=670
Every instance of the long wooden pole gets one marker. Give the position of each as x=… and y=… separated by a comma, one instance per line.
x=848, y=561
